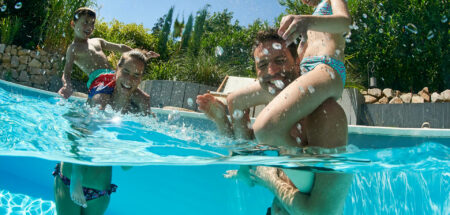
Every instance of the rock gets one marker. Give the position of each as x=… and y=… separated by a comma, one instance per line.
x=14, y=61
x=22, y=67
x=375, y=92
x=364, y=92
x=35, y=55
x=436, y=97
x=14, y=74
x=8, y=49
x=35, y=63
x=43, y=53
x=42, y=87
x=22, y=52
x=24, y=76
x=23, y=59
x=6, y=58
x=369, y=99
x=44, y=59
x=446, y=96
x=13, y=51
x=36, y=71
x=406, y=98
x=389, y=93
x=38, y=79
x=396, y=100
x=397, y=93
x=47, y=65
x=2, y=48
x=426, y=97
x=417, y=99
x=425, y=90
x=383, y=100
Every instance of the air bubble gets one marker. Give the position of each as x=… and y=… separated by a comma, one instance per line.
x=298, y=140
x=364, y=16
x=444, y=19
x=430, y=35
x=272, y=91
x=279, y=84
x=18, y=5
x=301, y=89
x=256, y=59
x=190, y=102
x=331, y=74
x=238, y=114
x=365, y=25
x=299, y=127
x=265, y=51
x=276, y=46
x=311, y=89
x=380, y=30
x=382, y=18
x=3, y=8
x=76, y=17
x=338, y=51
x=219, y=51
x=348, y=40
x=411, y=28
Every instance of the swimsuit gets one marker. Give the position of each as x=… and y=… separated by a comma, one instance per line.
x=309, y=63
x=89, y=193
x=101, y=81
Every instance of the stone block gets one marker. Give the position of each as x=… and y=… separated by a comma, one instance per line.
x=396, y=100
x=22, y=67
x=426, y=97
x=46, y=65
x=389, y=93
x=36, y=71
x=436, y=97
x=13, y=51
x=369, y=99
x=383, y=100
x=38, y=79
x=8, y=49
x=446, y=96
x=417, y=99
x=23, y=77
x=2, y=48
x=374, y=92
x=23, y=52
x=35, y=63
x=14, y=61
x=406, y=98
x=23, y=59
x=14, y=74
x=43, y=53
x=6, y=58
x=364, y=92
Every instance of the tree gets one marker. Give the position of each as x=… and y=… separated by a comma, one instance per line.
x=198, y=30
x=187, y=33
x=164, y=35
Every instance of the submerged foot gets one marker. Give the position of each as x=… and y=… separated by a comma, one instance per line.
x=77, y=195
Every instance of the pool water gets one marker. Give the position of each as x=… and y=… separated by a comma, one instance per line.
x=180, y=161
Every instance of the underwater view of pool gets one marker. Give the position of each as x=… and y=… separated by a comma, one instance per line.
x=179, y=161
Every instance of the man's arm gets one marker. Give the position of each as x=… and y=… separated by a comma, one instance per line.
x=108, y=46
x=239, y=103
x=66, y=90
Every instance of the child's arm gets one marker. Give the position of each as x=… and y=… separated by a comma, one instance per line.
x=114, y=46
x=142, y=100
x=66, y=90
x=76, y=185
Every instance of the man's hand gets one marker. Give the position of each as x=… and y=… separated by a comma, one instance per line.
x=65, y=91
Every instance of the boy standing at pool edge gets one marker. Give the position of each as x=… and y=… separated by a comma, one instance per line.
x=88, y=55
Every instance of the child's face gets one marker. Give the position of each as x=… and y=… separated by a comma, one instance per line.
x=84, y=27
x=129, y=75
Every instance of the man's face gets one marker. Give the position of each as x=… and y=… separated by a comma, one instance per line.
x=275, y=66
x=84, y=26
x=129, y=75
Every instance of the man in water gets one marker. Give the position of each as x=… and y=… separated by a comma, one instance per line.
x=296, y=191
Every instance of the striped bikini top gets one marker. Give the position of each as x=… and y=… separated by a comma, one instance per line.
x=323, y=9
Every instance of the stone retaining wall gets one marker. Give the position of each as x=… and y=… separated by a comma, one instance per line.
x=389, y=96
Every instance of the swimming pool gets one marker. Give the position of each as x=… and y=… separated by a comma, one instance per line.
x=181, y=161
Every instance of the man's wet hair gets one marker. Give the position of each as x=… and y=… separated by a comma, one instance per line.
x=136, y=54
x=271, y=34
x=84, y=11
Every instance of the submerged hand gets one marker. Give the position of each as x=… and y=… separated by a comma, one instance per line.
x=77, y=195
x=241, y=174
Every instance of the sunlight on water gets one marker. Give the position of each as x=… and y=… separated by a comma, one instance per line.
x=11, y=203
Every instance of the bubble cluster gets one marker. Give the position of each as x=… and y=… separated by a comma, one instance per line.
x=219, y=51
x=238, y=114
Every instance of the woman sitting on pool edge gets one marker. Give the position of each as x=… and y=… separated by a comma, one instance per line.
x=81, y=189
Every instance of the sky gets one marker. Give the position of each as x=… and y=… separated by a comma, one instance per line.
x=147, y=12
